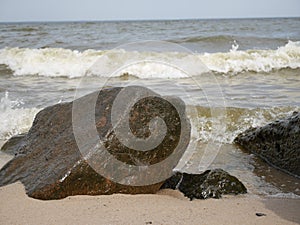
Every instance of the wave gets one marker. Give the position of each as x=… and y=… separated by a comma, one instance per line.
x=235, y=121
x=288, y=195
x=24, y=29
x=235, y=61
x=227, y=39
x=14, y=118
x=60, y=62
x=212, y=39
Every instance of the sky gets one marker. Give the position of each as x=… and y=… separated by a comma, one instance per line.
x=79, y=10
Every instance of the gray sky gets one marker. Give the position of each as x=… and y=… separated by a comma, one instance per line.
x=58, y=10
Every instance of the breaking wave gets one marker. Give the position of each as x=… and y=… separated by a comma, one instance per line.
x=15, y=119
x=60, y=62
x=236, y=121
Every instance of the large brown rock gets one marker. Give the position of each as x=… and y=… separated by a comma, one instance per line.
x=52, y=161
x=278, y=143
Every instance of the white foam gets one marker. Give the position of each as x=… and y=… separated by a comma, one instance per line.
x=235, y=61
x=55, y=62
x=51, y=62
x=14, y=118
x=237, y=121
x=285, y=195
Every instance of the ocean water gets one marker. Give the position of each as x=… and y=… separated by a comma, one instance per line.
x=232, y=74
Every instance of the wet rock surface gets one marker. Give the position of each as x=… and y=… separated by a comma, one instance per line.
x=277, y=143
x=50, y=165
x=210, y=184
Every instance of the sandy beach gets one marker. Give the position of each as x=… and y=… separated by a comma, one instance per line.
x=165, y=207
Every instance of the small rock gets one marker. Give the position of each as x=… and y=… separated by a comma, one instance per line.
x=210, y=184
x=260, y=214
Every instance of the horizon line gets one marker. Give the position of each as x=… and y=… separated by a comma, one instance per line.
x=146, y=20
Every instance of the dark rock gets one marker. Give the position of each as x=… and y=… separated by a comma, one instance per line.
x=51, y=166
x=210, y=184
x=260, y=214
x=277, y=143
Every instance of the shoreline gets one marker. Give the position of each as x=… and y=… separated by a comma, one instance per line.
x=165, y=207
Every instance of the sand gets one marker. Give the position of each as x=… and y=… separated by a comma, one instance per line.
x=165, y=207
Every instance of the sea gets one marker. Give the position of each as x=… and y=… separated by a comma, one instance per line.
x=232, y=74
